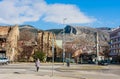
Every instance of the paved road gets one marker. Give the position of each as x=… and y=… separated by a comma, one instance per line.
x=74, y=71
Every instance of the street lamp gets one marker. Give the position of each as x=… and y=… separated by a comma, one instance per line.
x=64, y=40
x=52, y=54
x=97, y=46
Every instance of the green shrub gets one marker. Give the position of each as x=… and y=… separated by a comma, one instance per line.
x=40, y=55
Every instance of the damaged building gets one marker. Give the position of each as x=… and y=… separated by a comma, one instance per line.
x=19, y=45
x=9, y=36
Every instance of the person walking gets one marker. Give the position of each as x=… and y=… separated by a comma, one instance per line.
x=37, y=64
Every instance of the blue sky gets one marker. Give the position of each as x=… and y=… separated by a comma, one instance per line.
x=53, y=14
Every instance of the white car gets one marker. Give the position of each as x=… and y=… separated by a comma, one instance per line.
x=4, y=61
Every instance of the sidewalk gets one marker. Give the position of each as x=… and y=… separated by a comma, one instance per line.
x=82, y=67
x=30, y=76
x=75, y=71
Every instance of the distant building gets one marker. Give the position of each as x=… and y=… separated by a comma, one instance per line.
x=115, y=44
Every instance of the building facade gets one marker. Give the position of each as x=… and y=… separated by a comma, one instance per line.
x=17, y=49
x=9, y=36
x=115, y=45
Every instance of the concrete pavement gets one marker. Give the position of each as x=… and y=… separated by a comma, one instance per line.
x=92, y=71
x=79, y=71
x=29, y=76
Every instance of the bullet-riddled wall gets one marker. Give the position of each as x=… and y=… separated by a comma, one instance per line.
x=45, y=41
x=11, y=36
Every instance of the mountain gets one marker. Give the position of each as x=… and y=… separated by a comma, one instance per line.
x=76, y=33
x=104, y=28
x=23, y=26
x=56, y=31
x=28, y=27
x=83, y=34
x=27, y=32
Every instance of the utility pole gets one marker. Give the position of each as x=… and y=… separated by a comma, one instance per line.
x=97, y=46
x=63, y=46
x=52, y=54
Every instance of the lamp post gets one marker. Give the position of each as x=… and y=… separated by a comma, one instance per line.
x=97, y=46
x=53, y=55
x=64, y=40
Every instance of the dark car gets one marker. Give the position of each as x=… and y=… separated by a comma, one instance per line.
x=102, y=62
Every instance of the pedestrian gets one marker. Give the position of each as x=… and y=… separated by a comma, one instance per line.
x=37, y=64
x=68, y=62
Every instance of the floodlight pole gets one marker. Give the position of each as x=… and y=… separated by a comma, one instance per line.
x=53, y=55
x=63, y=46
x=97, y=47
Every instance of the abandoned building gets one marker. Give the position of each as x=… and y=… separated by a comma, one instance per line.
x=9, y=36
x=47, y=40
x=21, y=50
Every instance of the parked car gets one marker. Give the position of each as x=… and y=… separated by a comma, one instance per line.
x=69, y=60
x=4, y=61
x=102, y=62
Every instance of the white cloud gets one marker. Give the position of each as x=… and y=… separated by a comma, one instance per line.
x=57, y=12
x=20, y=11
